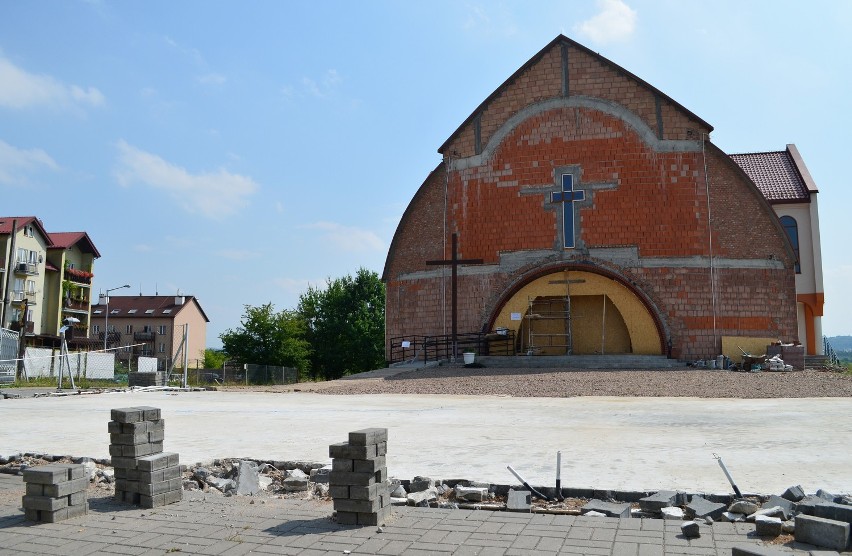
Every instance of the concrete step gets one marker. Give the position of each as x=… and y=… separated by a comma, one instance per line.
x=581, y=361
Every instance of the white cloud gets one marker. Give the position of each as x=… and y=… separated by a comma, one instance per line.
x=213, y=194
x=21, y=89
x=16, y=164
x=211, y=79
x=295, y=286
x=615, y=22
x=349, y=238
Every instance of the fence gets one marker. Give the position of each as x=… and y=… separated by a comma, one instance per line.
x=248, y=374
x=8, y=355
x=437, y=348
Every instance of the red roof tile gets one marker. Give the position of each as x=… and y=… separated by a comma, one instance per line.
x=775, y=174
x=64, y=240
x=121, y=305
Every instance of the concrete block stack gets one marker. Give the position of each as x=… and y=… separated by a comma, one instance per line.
x=144, y=474
x=358, y=479
x=55, y=492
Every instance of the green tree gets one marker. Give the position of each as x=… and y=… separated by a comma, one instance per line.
x=345, y=325
x=267, y=337
x=213, y=358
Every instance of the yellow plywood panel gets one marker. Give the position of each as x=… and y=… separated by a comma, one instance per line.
x=755, y=346
x=640, y=326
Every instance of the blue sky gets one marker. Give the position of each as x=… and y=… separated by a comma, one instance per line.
x=241, y=151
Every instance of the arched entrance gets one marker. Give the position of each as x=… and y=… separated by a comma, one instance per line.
x=579, y=312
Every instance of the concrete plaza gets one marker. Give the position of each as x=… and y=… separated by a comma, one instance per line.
x=606, y=443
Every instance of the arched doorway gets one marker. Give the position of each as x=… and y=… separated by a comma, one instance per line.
x=579, y=312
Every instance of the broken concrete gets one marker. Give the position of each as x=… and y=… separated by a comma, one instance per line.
x=607, y=508
x=794, y=493
x=519, y=501
x=471, y=494
x=247, y=479
x=423, y=497
x=673, y=514
x=786, y=505
x=746, y=507
x=658, y=501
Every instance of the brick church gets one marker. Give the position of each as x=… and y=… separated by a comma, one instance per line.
x=592, y=214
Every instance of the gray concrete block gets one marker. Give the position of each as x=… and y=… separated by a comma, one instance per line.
x=658, y=501
x=149, y=413
x=368, y=465
x=419, y=484
x=248, y=479
x=155, y=462
x=44, y=503
x=46, y=474
x=344, y=450
x=690, y=529
x=786, y=505
x=347, y=518
x=351, y=479
x=357, y=506
x=338, y=491
x=374, y=518
x=765, y=526
x=837, y=512
x=381, y=475
x=607, y=508
x=827, y=533
x=65, y=488
x=382, y=449
x=700, y=507
x=754, y=550
x=519, y=501
x=794, y=493
x=365, y=437
x=340, y=464
x=364, y=492
x=126, y=415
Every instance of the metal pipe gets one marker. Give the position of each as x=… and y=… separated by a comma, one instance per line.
x=728, y=475
x=559, y=476
x=527, y=485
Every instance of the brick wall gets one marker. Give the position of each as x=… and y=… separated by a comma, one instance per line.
x=652, y=199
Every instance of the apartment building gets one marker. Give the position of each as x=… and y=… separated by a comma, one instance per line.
x=150, y=326
x=44, y=278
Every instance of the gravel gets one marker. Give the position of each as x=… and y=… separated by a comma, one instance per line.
x=560, y=383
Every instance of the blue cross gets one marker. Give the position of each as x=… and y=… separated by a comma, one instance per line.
x=567, y=197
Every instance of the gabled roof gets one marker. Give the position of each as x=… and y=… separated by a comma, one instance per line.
x=781, y=176
x=6, y=226
x=562, y=39
x=146, y=306
x=64, y=240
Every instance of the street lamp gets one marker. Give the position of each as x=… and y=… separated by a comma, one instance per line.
x=106, y=315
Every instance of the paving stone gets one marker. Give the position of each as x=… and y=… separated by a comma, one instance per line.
x=690, y=529
x=701, y=507
x=609, y=509
x=658, y=501
x=419, y=484
x=422, y=497
x=788, y=506
x=825, y=495
x=471, y=494
x=672, y=513
x=826, y=533
x=519, y=501
x=837, y=512
x=766, y=526
x=365, y=437
x=794, y=493
x=755, y=550
x=732, y=517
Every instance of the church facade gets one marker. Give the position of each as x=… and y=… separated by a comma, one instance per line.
x=601, y=218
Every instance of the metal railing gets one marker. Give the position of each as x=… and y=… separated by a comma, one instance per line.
x=437, y=348
x=830, y=355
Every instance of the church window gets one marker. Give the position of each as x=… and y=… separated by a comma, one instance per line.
x=792, y=229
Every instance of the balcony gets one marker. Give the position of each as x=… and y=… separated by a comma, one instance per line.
x=19, y=296
x=143, y=336
x=29, y=326
x=30, y=269
x=74, y=305
x=79, y=276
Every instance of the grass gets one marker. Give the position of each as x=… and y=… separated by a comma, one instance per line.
x=51, y=381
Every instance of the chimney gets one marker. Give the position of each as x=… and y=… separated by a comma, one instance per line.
x=179, y=300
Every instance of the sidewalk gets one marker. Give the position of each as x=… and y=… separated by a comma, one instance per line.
x=208, y=524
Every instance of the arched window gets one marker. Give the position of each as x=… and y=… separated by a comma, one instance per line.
x=792, y=229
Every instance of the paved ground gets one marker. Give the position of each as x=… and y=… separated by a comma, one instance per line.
x=203, y=524
x=606, y=443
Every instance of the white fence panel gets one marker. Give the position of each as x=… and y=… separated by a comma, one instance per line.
x=8, y=354
x=147, y=365
x=38, y=361
x=99, y=365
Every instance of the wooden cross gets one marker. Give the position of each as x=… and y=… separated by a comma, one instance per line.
x=454, y=262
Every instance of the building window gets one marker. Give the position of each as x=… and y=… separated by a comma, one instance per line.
x=96, y=328
x=128, y=329
x=161, y=329
x=792, y=229
x=162, y=348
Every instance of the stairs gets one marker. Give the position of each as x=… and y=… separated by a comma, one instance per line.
x=816, y=361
